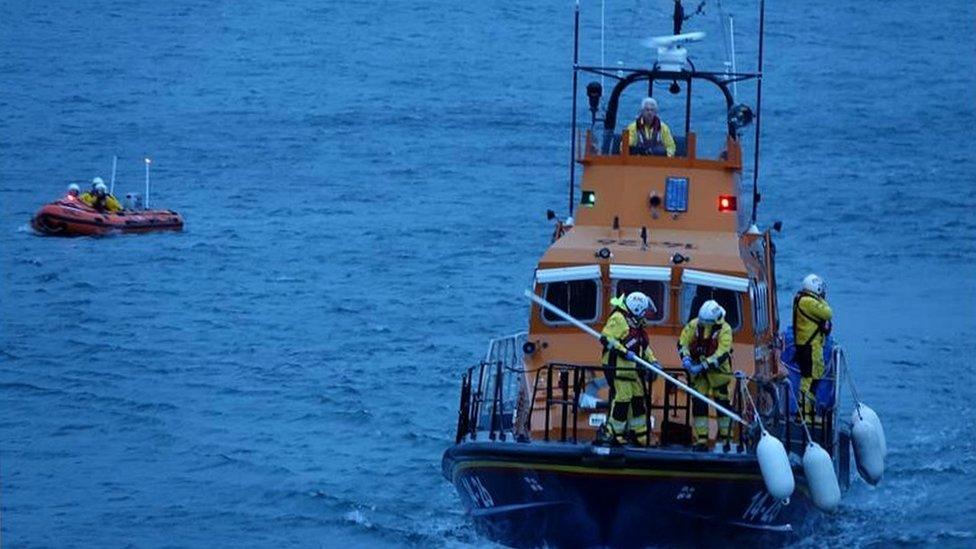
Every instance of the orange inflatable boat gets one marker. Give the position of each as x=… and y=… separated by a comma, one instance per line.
x=71, y=217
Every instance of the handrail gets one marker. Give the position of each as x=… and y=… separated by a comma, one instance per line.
x=562, y=385
x=556, y=375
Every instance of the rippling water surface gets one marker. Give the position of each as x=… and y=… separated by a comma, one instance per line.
x=365, y=187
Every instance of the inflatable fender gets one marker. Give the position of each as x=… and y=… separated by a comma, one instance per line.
x=775, y=467
x=871, y=417
x=868, y=452
x=819, y=470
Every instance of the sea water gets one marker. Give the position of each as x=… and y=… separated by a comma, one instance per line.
x=365, y=186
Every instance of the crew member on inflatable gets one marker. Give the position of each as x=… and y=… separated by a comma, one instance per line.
x=73, y=191
x=624, y=339
x=811, y=326
x=705, y=348
x=99, y=198
x=649, y=135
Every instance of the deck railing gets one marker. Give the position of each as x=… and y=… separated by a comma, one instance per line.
x=492, y=392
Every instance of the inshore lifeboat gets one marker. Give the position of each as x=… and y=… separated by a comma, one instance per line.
x=71, y=217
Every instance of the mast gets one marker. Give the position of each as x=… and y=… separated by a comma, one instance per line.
x=572, y=137
x=755, y=160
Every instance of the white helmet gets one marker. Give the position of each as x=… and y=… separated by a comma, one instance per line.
x=97, y=181
x=815, y=285
x=710, y=312
x=100, y=188
x=74, y=189
x=638, y=304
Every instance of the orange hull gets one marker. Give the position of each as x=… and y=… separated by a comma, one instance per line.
x=68, y=217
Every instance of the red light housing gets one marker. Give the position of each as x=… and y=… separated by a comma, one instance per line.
x=727, y=203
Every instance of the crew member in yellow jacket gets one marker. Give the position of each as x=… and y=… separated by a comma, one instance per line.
x=705, y=348
x=624, y=339
x=811, y=326
x=649, y=135
x=99, y=198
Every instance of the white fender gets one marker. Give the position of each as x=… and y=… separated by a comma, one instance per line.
x=775, y=467
x=869, y=415
x=868, y=452
x=819, y=470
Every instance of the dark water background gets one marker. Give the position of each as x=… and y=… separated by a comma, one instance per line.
x=365, y=186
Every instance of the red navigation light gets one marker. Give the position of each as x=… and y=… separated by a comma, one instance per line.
x=727, y=203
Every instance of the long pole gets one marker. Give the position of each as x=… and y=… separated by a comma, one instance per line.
x=148, y=162
x=596, y=335
x=572, y=140
x=115, y=162
x=755, y=160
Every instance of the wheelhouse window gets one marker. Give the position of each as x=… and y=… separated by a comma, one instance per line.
x=693, y=296
x=655, y=289
x=579, y=298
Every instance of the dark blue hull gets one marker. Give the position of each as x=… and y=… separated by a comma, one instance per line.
x=566, y=495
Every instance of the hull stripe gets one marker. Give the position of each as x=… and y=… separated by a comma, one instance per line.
x=594, y=471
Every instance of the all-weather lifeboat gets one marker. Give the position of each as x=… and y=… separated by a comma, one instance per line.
x=528, y=462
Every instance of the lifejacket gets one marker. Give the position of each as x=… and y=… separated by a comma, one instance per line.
x=701, y=347
x=636, y=340
x=822, y=327
x=652, y=144
x=100, y=203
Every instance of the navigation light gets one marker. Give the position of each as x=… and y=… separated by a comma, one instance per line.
x=588, y=199
x=727, y=203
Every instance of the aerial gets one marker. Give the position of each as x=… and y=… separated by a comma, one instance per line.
x=254, y=254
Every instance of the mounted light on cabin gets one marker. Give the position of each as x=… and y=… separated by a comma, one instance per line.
x=727, y=203
x=588, y=199
x=676, y=194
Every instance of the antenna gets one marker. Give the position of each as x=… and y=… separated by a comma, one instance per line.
x=735, y=83
x=572, y=137
x=148, y=162
x=755, y=161
x=603, y=63
x=115, y=162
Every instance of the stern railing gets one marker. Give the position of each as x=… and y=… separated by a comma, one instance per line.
x=490, y=392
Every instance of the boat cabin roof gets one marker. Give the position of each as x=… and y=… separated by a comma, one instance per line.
x=704, y=250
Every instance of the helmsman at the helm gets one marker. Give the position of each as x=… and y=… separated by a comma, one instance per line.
x=648, y=134
x=705, y=348
x=811, y=326
x=624, y=339
x=99, y=198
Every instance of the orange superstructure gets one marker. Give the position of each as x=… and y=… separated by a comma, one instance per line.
x=627, y=220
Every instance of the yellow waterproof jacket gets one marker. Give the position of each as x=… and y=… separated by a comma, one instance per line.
x=712, y=344
x=618, y=329
x=111, y=203
x=666, y=138
x=811, y=319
